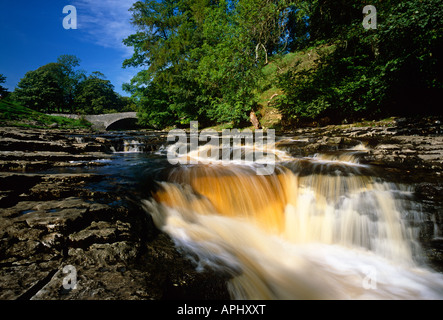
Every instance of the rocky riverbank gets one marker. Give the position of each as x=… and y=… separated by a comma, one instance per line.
x=408, y=151
x=50, y=221
x=53, y=220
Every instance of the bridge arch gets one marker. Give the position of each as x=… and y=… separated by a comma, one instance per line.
x=127, y=123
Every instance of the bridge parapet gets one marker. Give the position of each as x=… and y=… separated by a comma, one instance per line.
x=101, y=121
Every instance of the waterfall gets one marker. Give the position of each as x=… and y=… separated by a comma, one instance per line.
x=319, y=227
x=132, y=146
x=127, y=145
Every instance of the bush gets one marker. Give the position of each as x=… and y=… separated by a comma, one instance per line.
x=373, y=73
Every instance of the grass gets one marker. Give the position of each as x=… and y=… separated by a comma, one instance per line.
x=270, y=116
x=16, y=115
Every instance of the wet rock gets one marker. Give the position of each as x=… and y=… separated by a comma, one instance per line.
x=36, y=149
x=33, y=187
x=100, y=232
x=49, y=221
x=131, y=270
x=22, y=281
x=409, y=153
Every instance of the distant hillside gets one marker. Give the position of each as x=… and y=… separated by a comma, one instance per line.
x=15, y=115
x=300, y=60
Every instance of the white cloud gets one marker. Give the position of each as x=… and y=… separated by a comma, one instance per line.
x=106, y=22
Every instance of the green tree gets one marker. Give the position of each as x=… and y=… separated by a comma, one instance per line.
x=168, y=32
x=61, y=87
x=3, y=90
x=40, y=89
x=126, y=104
x=70, y=79
x=96, y=95
x=409, y=57
x=392, y=70
x=51, y=88
x=203, y=58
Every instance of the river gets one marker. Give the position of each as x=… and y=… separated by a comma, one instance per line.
x=323, y=226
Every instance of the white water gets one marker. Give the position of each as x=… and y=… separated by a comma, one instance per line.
x=130, y=146
x=133, y=146
x=322, y=230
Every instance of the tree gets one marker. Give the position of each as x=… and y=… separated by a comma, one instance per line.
x=40, y=89
x=410, y=54
x=96, y=95
x=203, y=58
x=127, y=104
x=3, y=90
x=70, y=79
x=370, y=73
x=61, y=87
x=168, y=32
x=51, y=88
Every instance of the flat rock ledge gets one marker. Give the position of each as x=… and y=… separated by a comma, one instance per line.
x=54, y=230
x=60, y=240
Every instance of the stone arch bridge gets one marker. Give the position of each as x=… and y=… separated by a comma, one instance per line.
x=107, y=121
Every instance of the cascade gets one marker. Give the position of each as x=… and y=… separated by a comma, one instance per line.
x=319, y=227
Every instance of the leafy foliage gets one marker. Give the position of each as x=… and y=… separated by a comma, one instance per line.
x=96, y=95
x=211, y=61
x=41, y=89
x=372, y=73
x=3, y=90
x=61, y=87
x=203, y=58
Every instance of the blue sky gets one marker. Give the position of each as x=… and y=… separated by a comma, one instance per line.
x=32, y=35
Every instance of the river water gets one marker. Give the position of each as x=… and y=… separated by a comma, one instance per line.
x=323, y=226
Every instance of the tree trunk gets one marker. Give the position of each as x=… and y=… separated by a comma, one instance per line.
x=254, y=120
x=264, y=49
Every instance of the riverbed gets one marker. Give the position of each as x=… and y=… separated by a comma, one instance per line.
x=357, y=210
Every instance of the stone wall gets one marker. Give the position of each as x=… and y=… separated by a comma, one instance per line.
x=101, y=121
